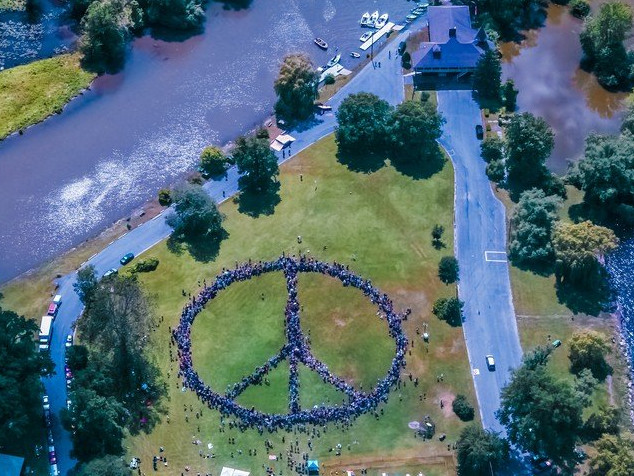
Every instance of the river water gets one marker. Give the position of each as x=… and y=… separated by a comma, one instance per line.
x=113, y=148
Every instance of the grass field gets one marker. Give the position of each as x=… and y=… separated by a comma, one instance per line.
x=32, y=92
x=13, y=5
x=380, y=225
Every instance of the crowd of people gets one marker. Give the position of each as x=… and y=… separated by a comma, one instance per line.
x=296, y=349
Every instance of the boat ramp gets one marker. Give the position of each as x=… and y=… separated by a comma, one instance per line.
x=374, y=38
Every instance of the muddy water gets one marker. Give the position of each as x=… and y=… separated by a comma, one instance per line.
x=112, y=149
x=545, y=69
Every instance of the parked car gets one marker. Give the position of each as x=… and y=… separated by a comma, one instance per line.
x=52, y=457
x=68, y=403
x=69, y=340
x=45, y=404
x=479, y=132
x=49, y=437
x=47, y=419
x=54, y=470
x=490, y=362
x=126, y=258
x=110, y=272
x=52, y=309
x=57, y=299
x=541, y=465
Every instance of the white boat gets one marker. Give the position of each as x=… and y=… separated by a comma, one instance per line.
x=380, y=23
x=411, y=17
x=321, y=43
x=365, y=18
x=333, y=61
x=373, y=18
x=366, y=36
x=354, y=54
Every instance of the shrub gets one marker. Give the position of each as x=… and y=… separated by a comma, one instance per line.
x=449, y=310
x=329, y=79
x=213, y=160
x=462, y=408
x=146, y=265
x=448, y=269
x=262, y=133
x=579, y=8
x=406, y=60
x=165, y=197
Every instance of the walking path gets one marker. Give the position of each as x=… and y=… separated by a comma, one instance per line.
x=489, y=326
x=385, y=81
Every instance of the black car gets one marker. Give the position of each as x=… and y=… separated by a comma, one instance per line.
x=479, y=132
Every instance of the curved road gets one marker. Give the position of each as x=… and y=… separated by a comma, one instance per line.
x=386, y=82
x=480, y=246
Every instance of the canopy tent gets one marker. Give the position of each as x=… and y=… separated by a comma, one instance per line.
x=282, y=141
x=313, y=466
x=11, y=465
x=233, y=472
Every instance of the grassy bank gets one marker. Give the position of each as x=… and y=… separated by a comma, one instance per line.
x=32, y=92
x=12, y=5
x=380, y=225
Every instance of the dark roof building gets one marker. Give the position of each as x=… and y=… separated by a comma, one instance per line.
x=454, y=46
x=11, y=465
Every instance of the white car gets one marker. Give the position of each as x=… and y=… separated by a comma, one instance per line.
x=69, y=340
x=490, y=362
x=45, y=404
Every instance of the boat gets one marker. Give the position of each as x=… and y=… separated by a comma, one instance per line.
x=418, y=11
x=373, y=18
x=354, y=54
x=365, y=18
x=411, y=17
x=321, y=43
x=422, y=4
x=366, y=36
x=333, y=61
x=380, y=23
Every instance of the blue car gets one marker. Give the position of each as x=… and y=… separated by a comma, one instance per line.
x=126, y=258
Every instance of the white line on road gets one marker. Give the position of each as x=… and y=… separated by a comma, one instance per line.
x=475, y=371
x=495, y=256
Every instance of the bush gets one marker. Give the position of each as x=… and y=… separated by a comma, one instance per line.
x=462, y=408
x=495, y=171
x=449, y=310
x=262, y=133
x=579, y=8
x=329, y=79
x=492, y=149
x=146, y=265
x=213, y=160
x=448, y=269
x=165, y=197
x=406, y=60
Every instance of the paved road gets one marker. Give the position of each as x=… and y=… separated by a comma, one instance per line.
x=386, y=82
x=485, y=287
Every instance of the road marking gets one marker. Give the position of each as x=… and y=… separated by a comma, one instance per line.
x=475, y=371
x=495, y=256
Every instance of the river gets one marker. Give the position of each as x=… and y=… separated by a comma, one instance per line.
x=67, y=178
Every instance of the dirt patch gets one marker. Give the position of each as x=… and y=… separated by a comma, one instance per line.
x=340, y=322
x=444, y=398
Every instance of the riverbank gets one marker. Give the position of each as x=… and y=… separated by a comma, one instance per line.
x=12, y=5
x=31, y=93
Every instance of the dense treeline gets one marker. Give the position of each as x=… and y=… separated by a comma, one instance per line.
x=108, y=25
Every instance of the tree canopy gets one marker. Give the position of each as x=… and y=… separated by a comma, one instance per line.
x=577, y=249
x=213, y=160
x=479, y=450
x=449, y=310
x=615, y=457
x=542, y=414
x=448, y=269
x=86, y=282
x=487, y=76
x=414, y=128
x=195, y=214
x=296, y=88
x=362, y=123
x=22, y=366
x=532, y=226
x=587, y=351
x=176, y=14
x=256, y=163
x=107, y=466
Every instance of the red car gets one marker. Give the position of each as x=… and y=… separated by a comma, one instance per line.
x=52, y=309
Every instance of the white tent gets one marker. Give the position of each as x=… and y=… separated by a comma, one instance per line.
x=282, y=141
x=233, y=472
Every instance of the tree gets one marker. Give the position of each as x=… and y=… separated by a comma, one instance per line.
x=496, y=171
x=577, y=249
x=406, y=60
x=449, y=310
x=602, y=44
x=614, y=457
x=329, y=79
x=165, y=197
x=479, y=451
x=93, y=421
x=362, y=123
x=107, y=26
x=529, y=141
x=448, y=269
x=109, y=465
x=462, y=408
x=579, y=8
x=487, y=74
x=436, y=236
x=587, y=351
x=77, y=356
x=584, y=385
x=20, y=385
x=195, y=214
x=606, y=172
x=605, y=420
x=256, y=163
x=85, y=283
x=414, y=128
x=176, y=14
x=492, y=149
x=542, y=415
x=509, y=93
x=296, y=88
x=532, y=226
x=213, y=160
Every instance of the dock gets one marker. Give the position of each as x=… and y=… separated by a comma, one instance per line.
x=377, y=36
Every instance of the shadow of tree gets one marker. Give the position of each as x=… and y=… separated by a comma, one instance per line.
x=235, y=4
x=254, y=203
x=171, y=35
x=203, y=249
x=438, y=244
x=592, y=299
x=422, y=167
x=362, y=162
x=540, y=268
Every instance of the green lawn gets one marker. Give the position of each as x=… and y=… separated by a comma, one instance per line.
x=32, y=92
x=380, y=225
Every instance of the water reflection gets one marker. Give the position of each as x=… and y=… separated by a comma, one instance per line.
x=545, y=68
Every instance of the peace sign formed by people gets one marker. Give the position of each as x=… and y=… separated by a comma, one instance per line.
x=296, y=350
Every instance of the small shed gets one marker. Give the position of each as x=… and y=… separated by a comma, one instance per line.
x=281, y=142
x=11, y=465
x=313, y=466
